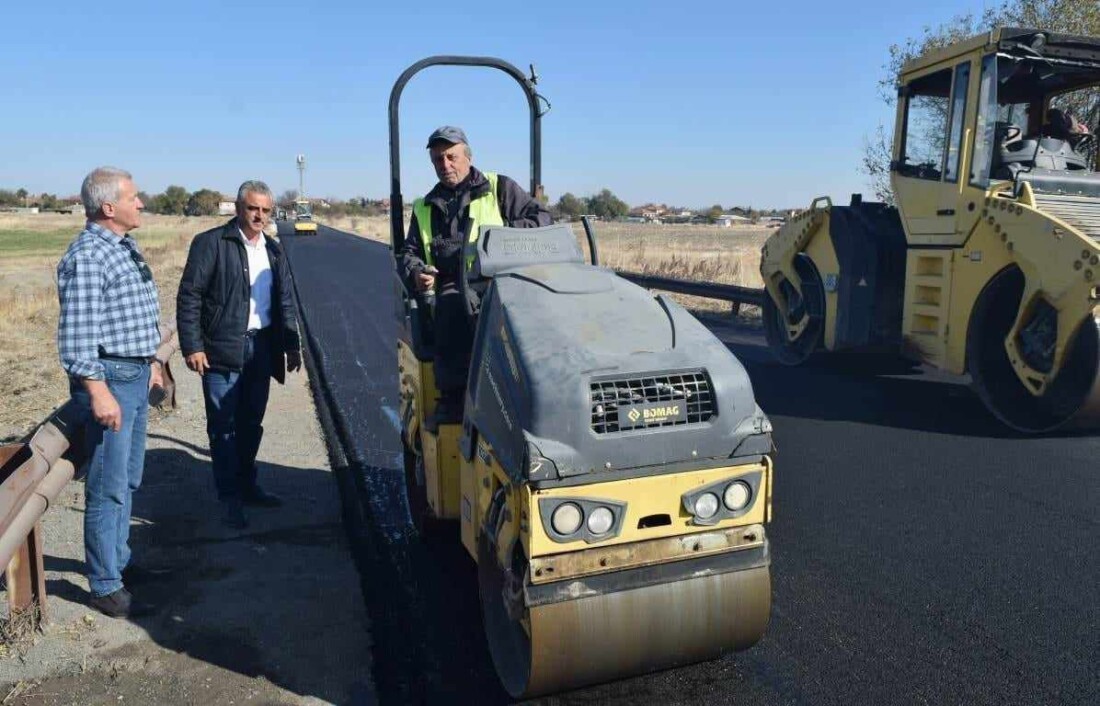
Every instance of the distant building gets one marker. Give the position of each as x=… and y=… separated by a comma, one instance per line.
x=727, y=220
x=650, y=213
x=227, y=208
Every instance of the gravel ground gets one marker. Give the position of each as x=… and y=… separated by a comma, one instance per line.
x=270, y=615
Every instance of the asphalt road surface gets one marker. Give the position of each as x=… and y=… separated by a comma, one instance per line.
x=921, y=553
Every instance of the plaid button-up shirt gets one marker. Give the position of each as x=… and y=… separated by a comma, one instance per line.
x=109, y=302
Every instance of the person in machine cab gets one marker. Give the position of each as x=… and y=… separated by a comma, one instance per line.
x=431, y=260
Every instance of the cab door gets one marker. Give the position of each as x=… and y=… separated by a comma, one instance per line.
x=928, y=159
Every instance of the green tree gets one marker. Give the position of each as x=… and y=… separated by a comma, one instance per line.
x=173, y=202
x=204, y=202
x=21, y=194
x=714, y=212
x=8, y=198
x=568, y=207
x=1059, y=16
x=607, y=205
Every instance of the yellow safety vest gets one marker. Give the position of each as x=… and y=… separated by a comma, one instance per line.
x=484, y=211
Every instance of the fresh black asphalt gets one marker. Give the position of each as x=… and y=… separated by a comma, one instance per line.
x=921, y=553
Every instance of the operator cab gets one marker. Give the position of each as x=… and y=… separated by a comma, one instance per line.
x=1011, y=108
x=1036, y=106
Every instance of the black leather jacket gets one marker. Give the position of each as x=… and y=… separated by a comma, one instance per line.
x=213, y=300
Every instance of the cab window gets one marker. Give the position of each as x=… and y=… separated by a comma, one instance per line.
x=958, y=112
x=924, y=140
x=988, y=113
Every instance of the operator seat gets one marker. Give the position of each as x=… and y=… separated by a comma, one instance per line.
x=1052, y=150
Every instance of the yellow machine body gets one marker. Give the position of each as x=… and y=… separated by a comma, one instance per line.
x=978, y=233
x=612, y=630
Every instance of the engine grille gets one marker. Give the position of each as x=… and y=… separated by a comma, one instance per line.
x=1082, y=212
x=617, y=405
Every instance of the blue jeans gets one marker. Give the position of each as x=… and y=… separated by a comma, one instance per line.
x=116, y=461
x=235, y=406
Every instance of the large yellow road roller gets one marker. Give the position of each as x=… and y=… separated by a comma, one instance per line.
x=611, y=476
x=989, y=264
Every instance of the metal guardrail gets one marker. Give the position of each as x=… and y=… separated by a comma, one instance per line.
x=32, y=475
x=732, y=293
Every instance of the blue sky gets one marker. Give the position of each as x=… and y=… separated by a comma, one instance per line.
x=689, y=103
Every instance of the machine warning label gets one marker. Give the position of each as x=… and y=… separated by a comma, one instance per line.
x=638, y=416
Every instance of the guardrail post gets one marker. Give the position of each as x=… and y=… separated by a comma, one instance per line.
x=27, y=577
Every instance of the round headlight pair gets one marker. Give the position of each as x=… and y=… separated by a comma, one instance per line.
x=736, y=497
x=567, y=519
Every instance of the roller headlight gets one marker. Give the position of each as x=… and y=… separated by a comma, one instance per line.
x=566, y=519
x=600, y=521
x=737, y=495
x=706, y=505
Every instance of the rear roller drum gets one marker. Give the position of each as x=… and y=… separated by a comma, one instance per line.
x=1072, y=399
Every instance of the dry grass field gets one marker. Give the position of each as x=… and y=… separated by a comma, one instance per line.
x=690, y=252
x=373, y=227
x=30, y=246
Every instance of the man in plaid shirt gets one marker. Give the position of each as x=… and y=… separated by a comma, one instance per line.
x=107, y=336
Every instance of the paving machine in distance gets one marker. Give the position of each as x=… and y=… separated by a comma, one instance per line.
x=611, y=476
x=989, y=265
x=303, y=217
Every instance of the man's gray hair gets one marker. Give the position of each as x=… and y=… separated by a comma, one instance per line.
x=254, y=186
x=101, y=186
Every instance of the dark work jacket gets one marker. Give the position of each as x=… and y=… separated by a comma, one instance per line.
x=450, y=207
x=213, y=300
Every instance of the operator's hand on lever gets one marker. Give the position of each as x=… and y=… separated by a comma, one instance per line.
x=425, y=279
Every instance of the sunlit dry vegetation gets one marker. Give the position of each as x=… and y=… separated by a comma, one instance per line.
x=33, y=383
x=691, y=252
x=31, y=245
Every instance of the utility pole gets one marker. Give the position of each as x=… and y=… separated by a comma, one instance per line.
x=301, y=176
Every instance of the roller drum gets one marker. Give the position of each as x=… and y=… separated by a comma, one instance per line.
x=597, y=636
x=1072, y=400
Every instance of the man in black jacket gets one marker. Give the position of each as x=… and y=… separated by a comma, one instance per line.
x=434, y=245
x=238, y=328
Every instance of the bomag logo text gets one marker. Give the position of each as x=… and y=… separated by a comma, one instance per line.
x=659, y=414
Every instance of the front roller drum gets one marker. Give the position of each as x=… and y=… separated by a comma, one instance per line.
x=601, y=634
x=1073, y=398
